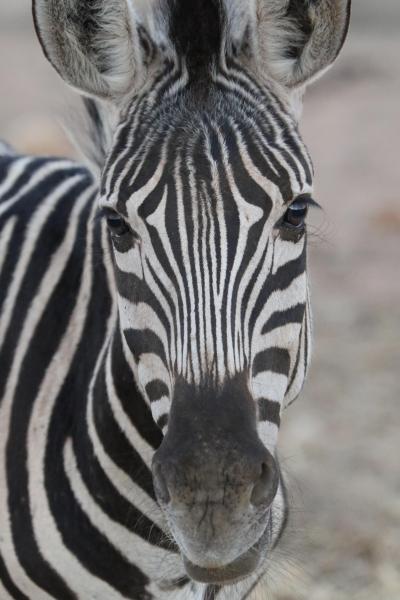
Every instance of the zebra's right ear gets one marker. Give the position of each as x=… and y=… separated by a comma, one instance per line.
x=94, y=46
x=300, y=39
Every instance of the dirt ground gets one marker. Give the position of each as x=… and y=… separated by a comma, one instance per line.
x=340, y=442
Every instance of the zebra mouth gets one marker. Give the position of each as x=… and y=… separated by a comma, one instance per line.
x=232, y=573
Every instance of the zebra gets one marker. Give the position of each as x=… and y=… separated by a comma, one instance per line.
x=154, y=308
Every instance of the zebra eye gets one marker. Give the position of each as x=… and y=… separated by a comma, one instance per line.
x=296, y=214
x=116, y=224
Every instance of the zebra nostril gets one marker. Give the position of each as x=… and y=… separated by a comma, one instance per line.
x=264, y=490
x=160, y=484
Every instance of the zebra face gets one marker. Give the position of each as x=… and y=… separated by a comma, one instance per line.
x=205, y=192
x=206, y=208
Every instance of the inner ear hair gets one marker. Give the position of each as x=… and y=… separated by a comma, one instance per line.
x=94, y=46
x=299, y=39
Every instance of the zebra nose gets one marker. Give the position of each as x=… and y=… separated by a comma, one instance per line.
x=266, y=484
x=260, y=477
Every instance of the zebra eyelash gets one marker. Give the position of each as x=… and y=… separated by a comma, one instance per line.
x=104, y=212
x=307, y=199
x=316, y=234
x=108, y=214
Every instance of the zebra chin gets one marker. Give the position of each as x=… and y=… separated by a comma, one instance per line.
x=218, y=567
x=234, y=571
x=219, y=487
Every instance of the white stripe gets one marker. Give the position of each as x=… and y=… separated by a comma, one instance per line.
x=199, y=309
x=269, y=385
x=188, y=345
x=286, y=336
x=5, y=237
x=268, y=433
x=130, y=262
x=208, y=356
x=160, y=407
x=222, y=253
x=219, y=348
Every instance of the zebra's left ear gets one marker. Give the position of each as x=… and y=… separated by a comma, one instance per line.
x=299, y=39
x=94, y=46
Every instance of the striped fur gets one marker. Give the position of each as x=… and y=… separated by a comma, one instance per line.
x=204, y=286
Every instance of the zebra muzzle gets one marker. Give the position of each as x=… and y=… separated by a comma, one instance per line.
x=215, y=482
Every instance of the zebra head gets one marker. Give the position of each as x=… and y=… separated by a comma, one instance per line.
x=205, y=190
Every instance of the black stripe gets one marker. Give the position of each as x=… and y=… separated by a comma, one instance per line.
x=295, y=368
x=8, y=583
x=276, y=360
x=131, y=399
x=162, y=421
x=295, y=314
x=145, y=341
x=156, y=389
x=269, y=411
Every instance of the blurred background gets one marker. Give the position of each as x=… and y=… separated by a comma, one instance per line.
x=340, y=442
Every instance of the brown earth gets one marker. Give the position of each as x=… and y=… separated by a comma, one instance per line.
x=340, y=442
